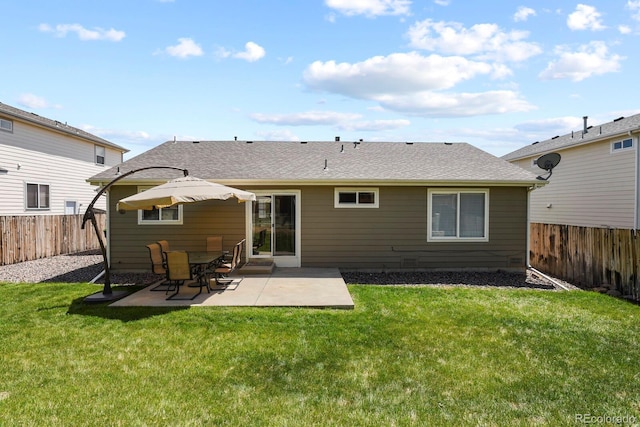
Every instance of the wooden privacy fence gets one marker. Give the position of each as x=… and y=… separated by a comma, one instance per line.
x=25, y=238
x=588, y=257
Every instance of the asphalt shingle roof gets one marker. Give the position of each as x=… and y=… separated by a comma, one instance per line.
x=16, y=113
x=269, y=161
x=594, y=133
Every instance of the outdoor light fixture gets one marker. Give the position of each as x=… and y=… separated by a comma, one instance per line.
x=107, y=294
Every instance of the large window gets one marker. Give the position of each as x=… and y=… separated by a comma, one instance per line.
x=162, y=216
x=37, y=196
x=458, y=215
x=356, y=198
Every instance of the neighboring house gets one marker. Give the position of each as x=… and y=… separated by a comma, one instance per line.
x=596, y=182
x=45, y=164
x=364, y=205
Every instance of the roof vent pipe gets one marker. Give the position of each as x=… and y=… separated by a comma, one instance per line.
x=585, y=124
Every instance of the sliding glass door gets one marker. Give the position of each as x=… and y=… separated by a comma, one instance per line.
x=274, y=219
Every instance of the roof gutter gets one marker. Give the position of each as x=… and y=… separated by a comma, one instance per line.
x=315, y=182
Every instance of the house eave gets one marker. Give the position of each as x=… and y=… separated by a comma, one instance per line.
x=577, y=144
x=67, y=132
x=346, y=182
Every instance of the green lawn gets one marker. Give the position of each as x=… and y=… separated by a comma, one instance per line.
x=405, y=356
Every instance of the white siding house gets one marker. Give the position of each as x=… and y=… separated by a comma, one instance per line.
x=596, y=182
x=45, y=164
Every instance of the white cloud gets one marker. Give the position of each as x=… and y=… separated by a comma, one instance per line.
x=32, y=101
x=634, y=7
x=342, y=121
x=523, y=13
x=277, y=135
x=624, y=29
x=128, y=135
x=373, y=125
x=547, y=128
x=252, y=52
x=414, y=84
x=306, y=118
x=436, y=104
x=589, y=60
x=370, y=8
x=61, y=30
x=585, y=17
x=486, y=41
x=396, y=73
x=442, y=2
x=185, y=48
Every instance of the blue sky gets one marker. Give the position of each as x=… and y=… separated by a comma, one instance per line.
x=499, y=74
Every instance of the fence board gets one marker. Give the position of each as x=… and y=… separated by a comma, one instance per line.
x=25, y=238
x=588, y=257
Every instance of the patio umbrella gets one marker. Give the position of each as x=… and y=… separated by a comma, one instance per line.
x=187, y=189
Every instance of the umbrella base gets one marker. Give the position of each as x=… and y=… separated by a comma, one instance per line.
x=99, y=297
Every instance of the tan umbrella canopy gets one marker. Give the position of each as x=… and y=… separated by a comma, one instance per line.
x=187, y=189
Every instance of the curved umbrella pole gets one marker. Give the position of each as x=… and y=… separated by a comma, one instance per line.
x=89, y=215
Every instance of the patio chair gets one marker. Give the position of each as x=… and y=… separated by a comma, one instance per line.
x=158, y=266
x=223, y=270
x=214, y=244
x=164, y=245
x=179, y=272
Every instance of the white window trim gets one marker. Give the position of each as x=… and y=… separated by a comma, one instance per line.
x=10, y=125
x=338, y=190
x=161, y=221
x=484, y=191
x=26, y=196
x=96, y=154
x=621, y=149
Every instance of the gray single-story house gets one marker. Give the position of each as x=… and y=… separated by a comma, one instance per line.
x=353, y=205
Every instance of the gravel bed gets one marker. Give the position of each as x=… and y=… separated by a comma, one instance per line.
x=81, y=267
x=470, y=279
x=85, y=266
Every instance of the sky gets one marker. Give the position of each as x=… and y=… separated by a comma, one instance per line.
x=498, y=75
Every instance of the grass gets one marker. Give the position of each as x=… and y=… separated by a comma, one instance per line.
x=405, y=356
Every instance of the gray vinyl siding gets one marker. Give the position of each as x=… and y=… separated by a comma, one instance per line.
x=210, y=218
x=590, y=187
x=31, y=154
x=393, y=236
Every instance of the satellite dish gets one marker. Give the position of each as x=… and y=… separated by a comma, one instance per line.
x=548, y=162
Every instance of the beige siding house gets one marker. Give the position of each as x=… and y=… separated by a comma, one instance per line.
x=45, y=164
x=367, y=205
x=596, y=182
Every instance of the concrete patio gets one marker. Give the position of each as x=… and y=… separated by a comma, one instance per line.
x=284, y=287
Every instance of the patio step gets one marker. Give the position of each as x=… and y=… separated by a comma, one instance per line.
x=257, y=266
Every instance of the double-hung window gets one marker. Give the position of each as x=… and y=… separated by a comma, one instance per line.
x=161, y=216
x=37, y=196
x=100, y=154
x=356, y=198
x=458, y=215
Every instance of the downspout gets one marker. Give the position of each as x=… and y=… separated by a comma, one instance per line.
x=636, y=220
x=529, y=190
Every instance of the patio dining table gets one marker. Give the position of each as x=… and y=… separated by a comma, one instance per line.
x=199, y=260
